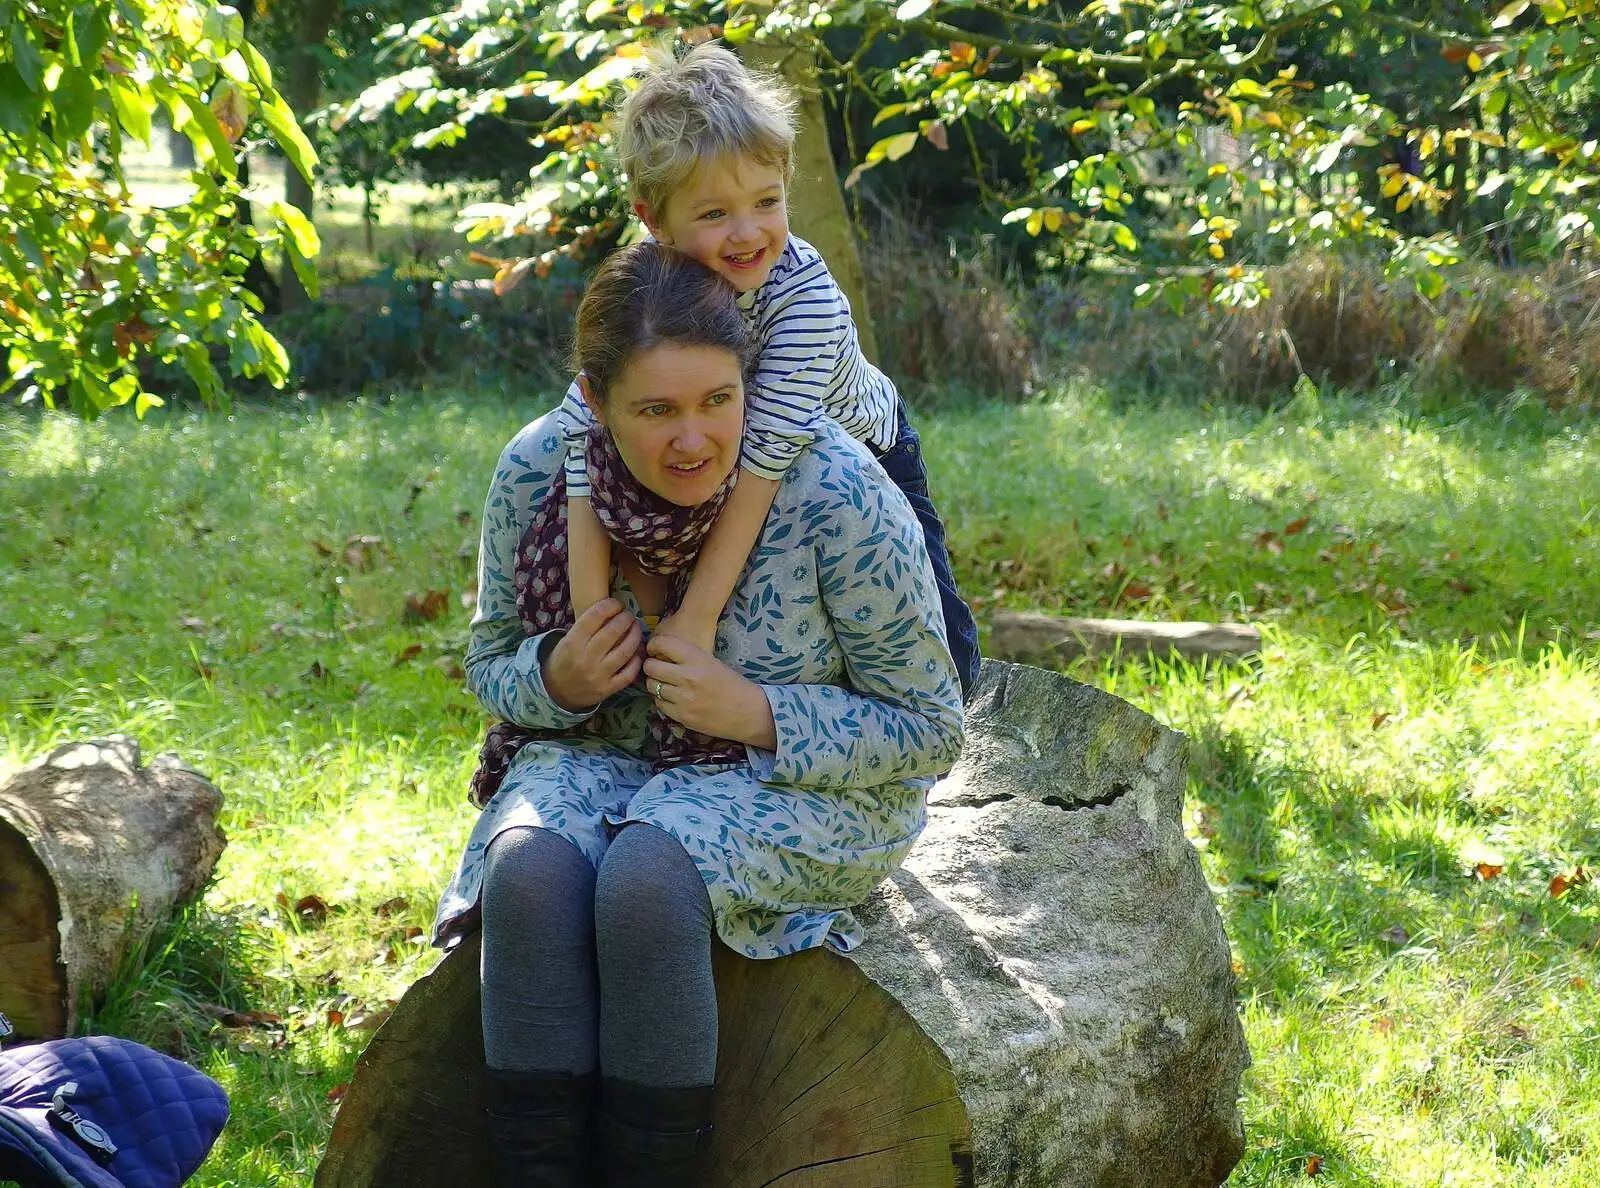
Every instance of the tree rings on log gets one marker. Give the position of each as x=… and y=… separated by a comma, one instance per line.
x=823, y=1081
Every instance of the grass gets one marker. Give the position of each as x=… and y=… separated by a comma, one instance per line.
x=1413, y=1022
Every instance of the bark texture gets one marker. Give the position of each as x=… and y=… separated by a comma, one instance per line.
x=95, y=849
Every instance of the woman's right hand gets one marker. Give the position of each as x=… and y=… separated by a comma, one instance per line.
x=599, y=655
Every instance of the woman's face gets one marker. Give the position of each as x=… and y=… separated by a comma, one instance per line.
x=677, y=416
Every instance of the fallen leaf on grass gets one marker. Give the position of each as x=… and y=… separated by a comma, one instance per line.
x=1395, y=935
x=1579, y=983
x=315, y=673
x=451, y=667
x=190, y=623
x=1563, y=883
x=1459, y=586
x=1136, y=592
x=335, y=1018
x=322, y=550
x=1297, y=526
x=1383, y=1024
x=1270, y=542
x=1378, y=719
x=1488, y=870
x=392, y=907
x=338, y=1091
x=229, y=1017
x=427, y=607
x=308, y=907
x=411, y=652
x=1314, y=1165
x=463, y=517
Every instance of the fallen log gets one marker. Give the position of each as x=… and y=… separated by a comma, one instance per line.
x=95, y=850
x=1050, y=952
x=1030, y=636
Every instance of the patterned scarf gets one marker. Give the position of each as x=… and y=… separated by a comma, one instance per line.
x=662, y=537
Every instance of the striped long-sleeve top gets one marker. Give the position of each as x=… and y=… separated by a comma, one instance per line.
x=810, y=364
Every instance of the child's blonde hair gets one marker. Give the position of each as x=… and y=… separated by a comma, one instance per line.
x=690, y=110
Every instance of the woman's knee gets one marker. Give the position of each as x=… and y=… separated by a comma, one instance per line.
x=648, y=886
x=532, y=870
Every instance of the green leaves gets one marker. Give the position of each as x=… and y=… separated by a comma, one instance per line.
x=92, y=282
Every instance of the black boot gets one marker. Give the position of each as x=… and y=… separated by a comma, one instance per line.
x=652, y=1138
x=539, y=1124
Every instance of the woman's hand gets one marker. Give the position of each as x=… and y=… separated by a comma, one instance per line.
x=694, y=688
x=598, y=656
x=701, y=633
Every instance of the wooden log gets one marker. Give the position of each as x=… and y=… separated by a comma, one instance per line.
x=95, y=849
x=822, y=1080
x=1052, y=933
x=1027, y=635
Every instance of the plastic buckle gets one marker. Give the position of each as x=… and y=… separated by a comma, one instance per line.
x=85, y=1133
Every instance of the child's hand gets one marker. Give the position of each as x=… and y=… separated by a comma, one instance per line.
x=692, y=629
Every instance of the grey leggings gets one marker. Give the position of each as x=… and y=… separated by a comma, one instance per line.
x=610, y=968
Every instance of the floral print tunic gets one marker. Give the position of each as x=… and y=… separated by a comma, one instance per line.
x=836, y=617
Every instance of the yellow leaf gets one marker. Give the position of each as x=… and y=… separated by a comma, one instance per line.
x=1474, y=62
x=1081, y=126
x=1403, y=203
x=1272, y=119
x=1427, y=144
x=1396, y=183
x=1216, y=251
x=635, y=13
x=1052, y=218
x=1216, y=170
x=1035, y=222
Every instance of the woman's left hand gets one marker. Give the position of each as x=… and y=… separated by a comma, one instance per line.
x=694, y=688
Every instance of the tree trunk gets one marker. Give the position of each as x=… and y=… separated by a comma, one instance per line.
x=95, y=850
x=302, y=90
x=817, y=209
x=822, y=1079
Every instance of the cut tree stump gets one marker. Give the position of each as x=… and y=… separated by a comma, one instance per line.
x=822, y=1079
x=1027, y=635
x=95, y=849
x=1051, y=940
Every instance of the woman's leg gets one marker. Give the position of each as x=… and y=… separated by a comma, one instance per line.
x=658, y=1010
x=540, y=1007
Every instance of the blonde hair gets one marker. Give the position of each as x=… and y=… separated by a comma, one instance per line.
x=694, y=109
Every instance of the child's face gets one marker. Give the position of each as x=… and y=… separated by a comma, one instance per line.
x=730, y=216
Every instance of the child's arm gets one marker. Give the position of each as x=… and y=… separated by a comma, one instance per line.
x=588, y=555
x=721, y=561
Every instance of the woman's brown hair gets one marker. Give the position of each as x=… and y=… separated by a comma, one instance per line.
x=647, y=295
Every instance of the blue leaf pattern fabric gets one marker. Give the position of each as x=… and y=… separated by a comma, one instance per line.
x=836, y=617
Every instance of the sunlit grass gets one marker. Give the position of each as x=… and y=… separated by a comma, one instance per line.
x=192, y=582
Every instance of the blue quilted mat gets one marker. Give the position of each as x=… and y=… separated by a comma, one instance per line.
x=102, y=1112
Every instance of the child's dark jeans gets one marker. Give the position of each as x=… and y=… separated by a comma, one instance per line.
x=903, y=463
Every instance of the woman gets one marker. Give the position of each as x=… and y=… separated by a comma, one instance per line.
x=639, y=805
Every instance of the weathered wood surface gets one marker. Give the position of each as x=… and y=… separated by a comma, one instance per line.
x=1052, y=933
x=1028, y=635
x=822, y=1080
x=95, y=849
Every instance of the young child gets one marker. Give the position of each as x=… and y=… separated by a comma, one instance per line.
x=708, y=147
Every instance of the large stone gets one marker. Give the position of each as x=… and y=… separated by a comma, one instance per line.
x=1054, y=934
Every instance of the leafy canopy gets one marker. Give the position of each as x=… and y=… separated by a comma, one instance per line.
x=93, y=281
x=1119, y=105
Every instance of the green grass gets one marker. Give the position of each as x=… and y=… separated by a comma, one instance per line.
x=1412, y=1024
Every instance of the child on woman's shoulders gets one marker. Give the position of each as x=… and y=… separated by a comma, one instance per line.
x=708, y=148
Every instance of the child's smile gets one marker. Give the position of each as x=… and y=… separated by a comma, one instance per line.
x=730, y=216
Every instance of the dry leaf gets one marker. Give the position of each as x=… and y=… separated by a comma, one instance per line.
x=335, y=1018
x=1563, y=883
x=1488, y=870
x=428, y=607
x=1383, y=1024
x=937, y=136
x=1395, y=935
x=1270, y=542
x=311, y=907
x=1297, y=527
x=1459, y=586
x=338, y=1091
x=1314, y=1165
x=1379, y=719
x=315, y=673
x=409, y=653
x=359, y=551
x=1136, y=592
x=451, y=667
x=190, y=623
x=392, y=907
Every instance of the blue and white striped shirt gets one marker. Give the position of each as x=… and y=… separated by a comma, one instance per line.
x=810, y=364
